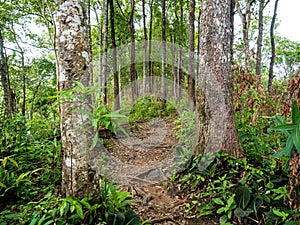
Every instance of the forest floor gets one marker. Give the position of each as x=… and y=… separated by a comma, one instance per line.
x=155, y=201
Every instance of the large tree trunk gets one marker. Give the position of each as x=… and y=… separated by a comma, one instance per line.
x=164, y=50
x=114, y=56
x=9, y=99
x=273, y=54
x=75, y=64
x=215, y=115
x=191, y=66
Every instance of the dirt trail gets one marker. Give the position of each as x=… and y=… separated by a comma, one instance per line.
x=149, y=144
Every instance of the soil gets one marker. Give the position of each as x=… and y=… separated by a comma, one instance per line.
x=154, y=200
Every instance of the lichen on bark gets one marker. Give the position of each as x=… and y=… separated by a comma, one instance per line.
x=74, y=63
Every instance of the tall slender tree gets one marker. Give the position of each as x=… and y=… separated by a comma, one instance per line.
x=133, y=73
x=191, y=66
x=145, y=48
x=246, y=21
x=164, y=49
x=215, y=115
x=273, y=54
x=150, y=67
x=104, y=90
x=114, y=56
x=100, y=41
x=9, y=98
x=262, y=5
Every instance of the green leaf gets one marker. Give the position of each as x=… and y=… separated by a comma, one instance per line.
x=131, y=218
x=256, y=203
x=285, y=127
x=242, y=197
x=220, y=210
x=2, y=185
x=21, y=176
x=79, y=211
x=116, y=219
x=62, y=207
x=4, y=162
x=13, y=161
x=49, y=222
x=296, y=139
x=218, y=201
x=295, y=112
x=277, y=212
x=223, y=219
x=84, y=202
x=72, y=208
x=288, y=150
x=242, y=213
x=78, y=84
x=230, y=201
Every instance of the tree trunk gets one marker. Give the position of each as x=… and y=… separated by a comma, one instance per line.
x=104, y=90
x=273, y=55
x=145, y=50
x=164, y=50
x=215, y=114
x=173, y=67
x=191, y=66
x=9, y=99
x=114, y=56
x=179, y=75
x=262, y=5
x=150, y=49
x=100, y=45
x=246, y=20
x=75, y=63
x=232, y=13
x=133, y=73
x=198, y=46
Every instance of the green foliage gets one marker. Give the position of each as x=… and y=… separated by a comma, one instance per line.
x=110, y=208
x=113, y=200
x=14, y=183
x=237, y=191
x=150, y=107
x=291, y=129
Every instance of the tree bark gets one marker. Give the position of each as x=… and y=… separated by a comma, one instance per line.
x=75, y=63
x=262, y=5
x=133, y=73
x=150, y=48
x=100, y=45
x=9, y=99
x=104, y=90
x=273, y=54
x=145, y=50
x=164, y=50
x=114, y=56
x=246, y=20
x=191, y=66
x=215, y=114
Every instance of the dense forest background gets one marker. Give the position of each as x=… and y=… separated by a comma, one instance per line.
x=147, y=62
